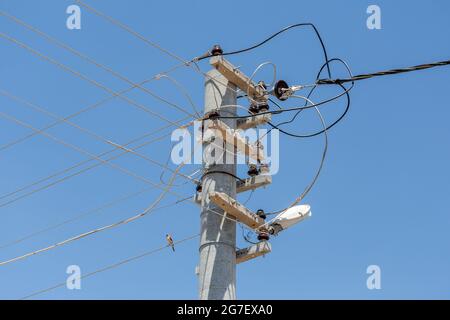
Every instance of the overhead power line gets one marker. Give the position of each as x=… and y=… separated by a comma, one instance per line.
x=112, y=266
x=384, y=73
x=86, y=109
x=88, y=213
x=80, y=164
x=192, y=63
x=131, y=31
x=92, y=61
x=297, y=25
x=89, y=154
x=87, y=131
x=145, y=212
x=313, y=134
x=219, y=233
x=84, y=77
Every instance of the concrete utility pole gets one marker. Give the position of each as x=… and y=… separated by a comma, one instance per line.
x=217, y=195
x=217, y=269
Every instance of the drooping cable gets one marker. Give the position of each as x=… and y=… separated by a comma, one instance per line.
x=308, y=96
x=222, y=172
x=316, y=176
x=270, y=38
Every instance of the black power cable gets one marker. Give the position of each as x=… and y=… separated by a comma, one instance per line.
x=223, y=172
x=209, y=54
x=384, y=73
x=318, y=132
x=309, y=94
x=285, y=110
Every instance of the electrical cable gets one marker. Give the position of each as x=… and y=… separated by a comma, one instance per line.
x=83, y=77
x=92, y=61
x=145, y=212
x=309, y=94
x=81, y=163
x=147, y=41
x=82, y=129
x=251, y=100
x=270, y=38
x=247, y=236
x=316, y=176
x=384, y=73
x=112, y=266
x=129, y=30
x=223, y=172
x=312, y=105
x=87, y=213
x=284, y=109
x=86, y=109
x=183, y=90
x=77, y=173
x=89, y=154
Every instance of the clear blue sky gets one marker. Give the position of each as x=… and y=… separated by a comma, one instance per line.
x=382, y=197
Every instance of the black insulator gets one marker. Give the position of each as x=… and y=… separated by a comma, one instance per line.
x=253, y=108
x=252, y=170
x=198, y=188
x=263, y=107
x=212, y=115
x=258, y=107
x=278, y=89
x=260, y=213
x=263, y=236
x=216, y=50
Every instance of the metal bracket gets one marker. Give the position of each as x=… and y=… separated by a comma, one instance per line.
x=233, y=138
x=237, y=210
x=254, y=121
x=253, y=183
x=239, y=79
x=254, y=251
x=242, y=186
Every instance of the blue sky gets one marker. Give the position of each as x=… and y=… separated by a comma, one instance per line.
x=382, y=197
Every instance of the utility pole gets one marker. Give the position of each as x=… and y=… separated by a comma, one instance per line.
x=217, y=269
x=217, y=193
